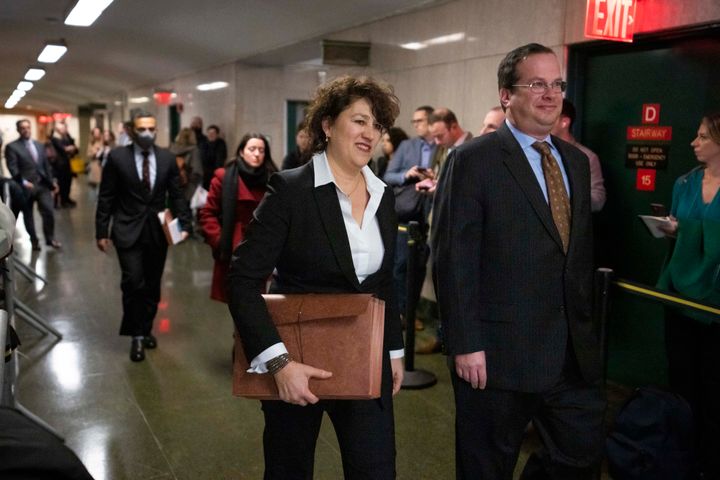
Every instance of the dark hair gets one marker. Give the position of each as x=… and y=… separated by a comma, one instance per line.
x=397, y=136
x=268, y=162
x=712, y=122
x=444, y=115
x=427, y=109
x=22, y=120
x=214, y=127
x=568, y=110
x=507, y=71
x=332, y=98
x=142, y=114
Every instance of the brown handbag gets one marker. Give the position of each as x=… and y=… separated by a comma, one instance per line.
x=340, y=333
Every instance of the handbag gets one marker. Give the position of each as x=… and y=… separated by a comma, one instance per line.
x=410, y=205
x=340, y=333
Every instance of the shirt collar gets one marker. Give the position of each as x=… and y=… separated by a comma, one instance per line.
x=323, y=175
x=526, y=140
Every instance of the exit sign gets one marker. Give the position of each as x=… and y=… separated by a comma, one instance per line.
x=610, y=19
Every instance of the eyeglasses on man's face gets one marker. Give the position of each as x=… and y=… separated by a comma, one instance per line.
x=558, y=86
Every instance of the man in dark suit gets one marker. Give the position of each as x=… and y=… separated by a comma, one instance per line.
x=512, y=249
x=29, y=167
x=136, y=182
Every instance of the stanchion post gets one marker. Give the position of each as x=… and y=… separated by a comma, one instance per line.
x=413, y=379
x=601, y=307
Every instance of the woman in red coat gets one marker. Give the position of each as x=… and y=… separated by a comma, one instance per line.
x=235, y=191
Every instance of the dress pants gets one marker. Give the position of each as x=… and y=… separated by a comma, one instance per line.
x=365, y=431
x=693, y=350
x=64, y=178
x=142, y=267
x=43, y=197
x=490, y=425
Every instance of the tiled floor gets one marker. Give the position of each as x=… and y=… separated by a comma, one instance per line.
x=172, y=416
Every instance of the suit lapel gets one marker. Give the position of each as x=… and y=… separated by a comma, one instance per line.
x=519, y=167
x=328, y=207
x=573, y=174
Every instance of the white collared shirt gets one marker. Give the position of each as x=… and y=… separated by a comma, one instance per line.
x=137, y=151
x=366, y=245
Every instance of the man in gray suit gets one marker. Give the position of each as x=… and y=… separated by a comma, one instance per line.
x=512, y=249
x=29, y=167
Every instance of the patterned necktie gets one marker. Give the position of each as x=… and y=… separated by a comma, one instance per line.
x=146, y=169
x=557, y=195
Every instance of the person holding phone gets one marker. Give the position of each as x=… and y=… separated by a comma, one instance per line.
x=693, y=270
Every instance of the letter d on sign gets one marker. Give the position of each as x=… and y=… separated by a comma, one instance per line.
x=651, y=113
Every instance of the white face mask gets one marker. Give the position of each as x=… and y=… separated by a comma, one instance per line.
x=145, y=140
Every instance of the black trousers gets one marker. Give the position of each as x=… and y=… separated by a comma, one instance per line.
x=365, y=431
x=142, y=267
x=693, y=351
x=490, y=425
x=63, y=174
x=44, y=200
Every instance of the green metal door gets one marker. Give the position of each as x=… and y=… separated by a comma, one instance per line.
x=612, y=83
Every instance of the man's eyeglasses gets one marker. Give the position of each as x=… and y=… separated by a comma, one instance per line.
x=558, y=86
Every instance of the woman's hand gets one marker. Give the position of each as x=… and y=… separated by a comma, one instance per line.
x=292, y=383
x=398, y=371
x=670, y=229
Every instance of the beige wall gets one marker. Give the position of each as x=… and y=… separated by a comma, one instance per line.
x=460, y=75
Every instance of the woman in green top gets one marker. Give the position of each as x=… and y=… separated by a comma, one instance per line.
x=693, y=337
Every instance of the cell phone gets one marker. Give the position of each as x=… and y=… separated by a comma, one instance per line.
x=659, y=210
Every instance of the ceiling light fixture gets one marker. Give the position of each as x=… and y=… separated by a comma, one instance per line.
x=139, y=100
x=18, y=93
x=10, y=103
x=25, y=86
x=443, y=39
x=34, y=73
x=86, y=12
x=52, y=52
x=204, y=87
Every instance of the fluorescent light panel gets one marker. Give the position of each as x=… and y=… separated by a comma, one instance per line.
x=139, y=100
x=52, y=53
x=204, y=87
x=18, y=93
x=86, y=12
x=10, y=103
x=34, y=74
x=443, y=39
x=25, y=86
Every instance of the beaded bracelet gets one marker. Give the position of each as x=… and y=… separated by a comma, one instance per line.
x=276, y=364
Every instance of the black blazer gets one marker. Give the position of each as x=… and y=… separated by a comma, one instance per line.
x=22, y=166
x=503, y=283
x=299, y=230
x=124, y=199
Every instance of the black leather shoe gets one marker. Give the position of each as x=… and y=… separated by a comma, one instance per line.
x=137, y=351
x=149, y=341
x=54, y=244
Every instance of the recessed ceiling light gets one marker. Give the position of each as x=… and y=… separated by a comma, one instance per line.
x=204, y=87
x=139, y=100
x=52, y=53
x=86, y=12
x=25, y=86
x=34, y=74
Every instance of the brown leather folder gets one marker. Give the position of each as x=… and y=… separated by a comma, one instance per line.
x=340, y=333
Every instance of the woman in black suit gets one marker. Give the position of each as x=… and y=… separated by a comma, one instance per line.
x=326, y=227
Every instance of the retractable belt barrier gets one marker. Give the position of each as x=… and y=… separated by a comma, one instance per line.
x=665, y=297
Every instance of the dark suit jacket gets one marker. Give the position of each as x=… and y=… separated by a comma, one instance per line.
x=22, y=166
x=123, y=198
x=503, y=283
x=299, y=230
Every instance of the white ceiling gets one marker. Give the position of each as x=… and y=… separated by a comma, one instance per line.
x=138, y=43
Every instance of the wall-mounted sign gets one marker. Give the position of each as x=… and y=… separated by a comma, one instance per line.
x=648, y=146
x=610, y=19
x=645, y=180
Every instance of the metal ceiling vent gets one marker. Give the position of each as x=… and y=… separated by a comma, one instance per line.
x=338, y=52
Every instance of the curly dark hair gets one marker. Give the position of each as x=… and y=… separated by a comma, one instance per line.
x=335, y=96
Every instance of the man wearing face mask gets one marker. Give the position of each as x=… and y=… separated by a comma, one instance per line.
x=137, y=181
